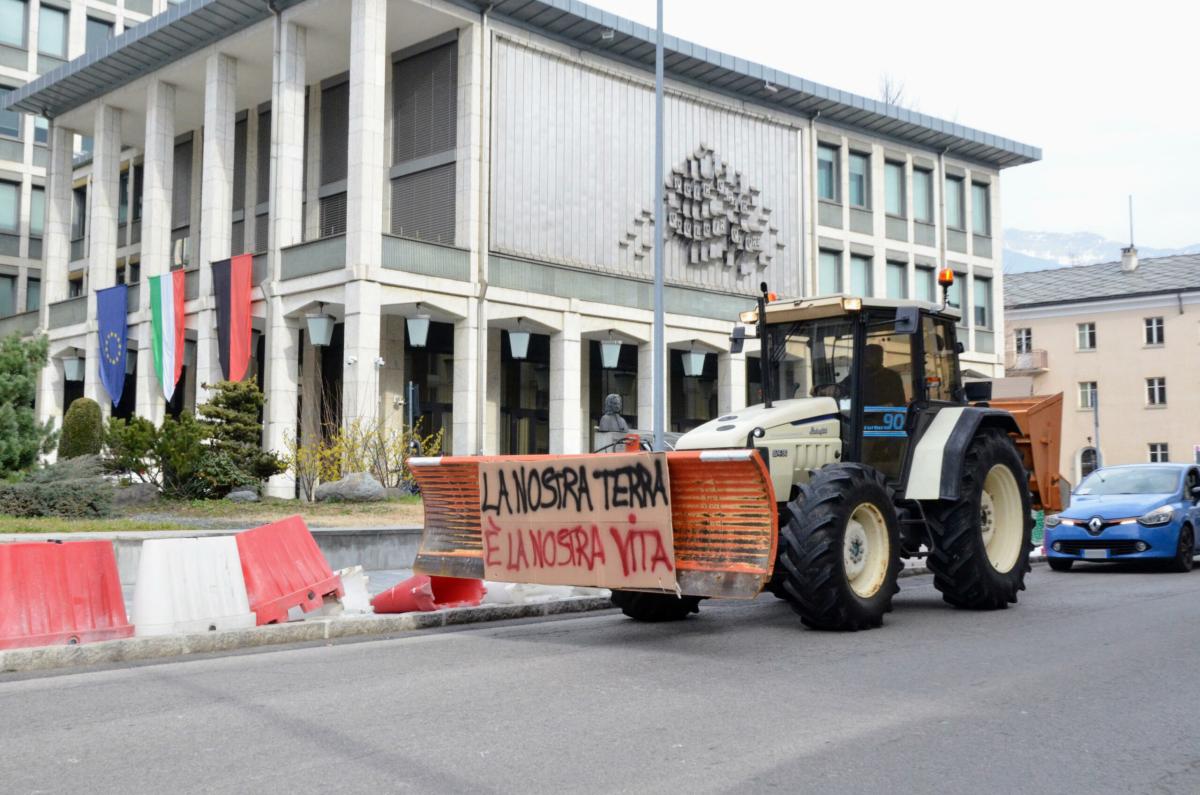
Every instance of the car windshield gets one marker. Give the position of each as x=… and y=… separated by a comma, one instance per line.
x=811, y=357
x=1130, y=480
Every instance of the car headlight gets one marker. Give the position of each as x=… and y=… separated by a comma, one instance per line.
x=1052, y=521
x=1157, y=516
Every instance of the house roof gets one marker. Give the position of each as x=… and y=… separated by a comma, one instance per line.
x=194, y=24
x=1106, y=280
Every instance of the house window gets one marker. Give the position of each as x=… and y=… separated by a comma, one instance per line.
x=41, y=130
x=860, y=275
x=1085, y=336
x=860, y=184
x=8, y=295
x=10, y=208
x=1024, y=340
x=981, y=209
x=12, y=23
x=1088, y=460
x=829, y=273
x=1154, y=330
x=1087, y=394
x=923, y=195
x=893, y=188
x=1160, y=453
x=78, y=213
x=954, y=203
x=926, y=284
x=52, y=32
x=983, y=302
x=98, y=32
x=75, y=287
x=1156, y=391
x=827, y=173
x=33, y=294
x=10, y=120
x=897, y=280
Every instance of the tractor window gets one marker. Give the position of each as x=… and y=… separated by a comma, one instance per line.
x=812, y=357
x=942, y=379
x=887, y=390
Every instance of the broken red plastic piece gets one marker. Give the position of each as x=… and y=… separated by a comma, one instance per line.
x=423, y=593
x=284, y=568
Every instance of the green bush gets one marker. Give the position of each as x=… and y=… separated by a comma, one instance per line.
x=22, y=438
x=130, y=448
x=79, y=468
x=83, y=429
x=87, y=498
x=180, y=451
x=232, y=417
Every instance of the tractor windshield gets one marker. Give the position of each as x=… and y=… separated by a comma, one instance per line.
x=812, y=358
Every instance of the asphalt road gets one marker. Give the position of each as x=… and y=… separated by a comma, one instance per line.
x=1089, y=685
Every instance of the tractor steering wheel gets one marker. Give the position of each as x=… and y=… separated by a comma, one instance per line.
x=833, y=389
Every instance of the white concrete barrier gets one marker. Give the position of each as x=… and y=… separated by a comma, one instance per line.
x=190, y=585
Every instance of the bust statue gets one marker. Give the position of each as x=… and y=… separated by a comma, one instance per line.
x=612, y=421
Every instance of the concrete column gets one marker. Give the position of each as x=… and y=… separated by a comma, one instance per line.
x=564, y=387
x=310, y=387
x=645, y=386
x=312, y=183
x=585, y=396
x=392, y=381
x=102, y=237
x=57, y=251
x=491, y=426
x=76, y=28
x=286, y=228
x=360, y=370
x=467, y=377
x=158, y=164
x=216, y=206
x=731, y=382
x=366, y=164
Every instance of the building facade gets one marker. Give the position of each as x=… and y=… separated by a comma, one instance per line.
x=466, y=191
x=1119, y=341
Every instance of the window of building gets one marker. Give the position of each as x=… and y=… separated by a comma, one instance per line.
x=983, y=302
x=98, y=32
x=955, y=297
x=52, y=31
x=12, y=22
x=37, y=211
x=926, y=284
x=262, y=186
x=860, y=275
x=1154, y=331
x=10, y=120
x=897, y=280
x=981, y=209
x=860, y=181
x=1087, y=394
x=33, y=294
x=1085, y=336
x=135, y=199
x=123, y=200
x=75, y=287
x=41, y=130
x=923, y=195
x=1088, y=462
x=1156, y=391
x=335, y=131
x=1160, y=453
x=78, y=213
x=1023, y=338
x=8, y=295
x=827, y=172
x=893, y=188
x=829, y=273
x=954, y=203
x=10, y=207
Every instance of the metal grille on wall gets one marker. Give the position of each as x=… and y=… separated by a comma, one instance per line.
x=181, y=187
x=262, y=186
x=239, y=165
x=423, y=204
x=260, y=231
x=335, y=129
x=333, y=215
x=424, y=99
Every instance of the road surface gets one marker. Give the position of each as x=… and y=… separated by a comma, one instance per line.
x=1089, y=685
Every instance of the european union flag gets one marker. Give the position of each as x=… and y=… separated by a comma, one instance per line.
x=110, y=311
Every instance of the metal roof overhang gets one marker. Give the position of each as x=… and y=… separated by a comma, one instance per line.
x=194, y=24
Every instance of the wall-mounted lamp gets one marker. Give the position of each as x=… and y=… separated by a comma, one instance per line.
x=610, y=352
x=418, y=328
x=73, y=367
x=320, y=326
x=693, y=363
x=518, y=343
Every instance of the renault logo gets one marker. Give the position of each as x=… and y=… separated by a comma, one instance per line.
x=1095, y=525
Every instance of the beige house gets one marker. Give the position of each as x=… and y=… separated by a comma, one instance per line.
x=1121, y=341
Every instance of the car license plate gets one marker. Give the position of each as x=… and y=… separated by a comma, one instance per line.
x=1096, y=554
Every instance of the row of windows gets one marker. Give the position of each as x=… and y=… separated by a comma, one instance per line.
x=10, y=209
x=894, y=193
x=52, y=28
x=829, y=282
x=1153, y=333
x=8, y=295
x=1156, y=392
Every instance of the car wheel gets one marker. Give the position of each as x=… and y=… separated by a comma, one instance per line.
x=1060, y=564
x=1185, y=550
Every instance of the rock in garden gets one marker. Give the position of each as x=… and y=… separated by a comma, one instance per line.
x=242, y=495
x=355, y=487
x=135, y=494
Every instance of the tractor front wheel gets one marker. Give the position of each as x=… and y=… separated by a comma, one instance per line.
x=655, y=607
x=839, y=550
x=981, y=541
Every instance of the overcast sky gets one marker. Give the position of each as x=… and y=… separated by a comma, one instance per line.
x=1109, y=91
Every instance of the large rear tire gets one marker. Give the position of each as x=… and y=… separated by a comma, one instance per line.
x=839, y=551
x=981, y=541
x=655, y=607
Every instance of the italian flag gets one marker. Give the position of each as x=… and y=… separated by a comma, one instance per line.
x=166, y=334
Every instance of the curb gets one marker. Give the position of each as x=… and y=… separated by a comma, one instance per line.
x=47, y=658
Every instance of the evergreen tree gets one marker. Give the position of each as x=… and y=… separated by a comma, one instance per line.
x=22, y=438
x=233, y=415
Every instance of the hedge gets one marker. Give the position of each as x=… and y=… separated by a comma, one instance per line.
x=72, y=499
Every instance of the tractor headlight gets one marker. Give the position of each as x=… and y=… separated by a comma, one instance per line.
x=1052, y=521
x=1157, y=516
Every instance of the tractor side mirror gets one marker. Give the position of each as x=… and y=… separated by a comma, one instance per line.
x=977, y=391
x=737, y=340
x=908, y=320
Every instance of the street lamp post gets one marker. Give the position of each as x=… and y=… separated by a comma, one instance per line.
x=658, y=382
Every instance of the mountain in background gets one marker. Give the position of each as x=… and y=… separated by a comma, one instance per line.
x=1035, y=251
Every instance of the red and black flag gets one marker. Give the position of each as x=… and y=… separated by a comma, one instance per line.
x=231, y=286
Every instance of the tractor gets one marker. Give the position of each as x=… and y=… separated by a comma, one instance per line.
x=867, y=447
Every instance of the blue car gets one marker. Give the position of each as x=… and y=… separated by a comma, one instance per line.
x=1136, y=512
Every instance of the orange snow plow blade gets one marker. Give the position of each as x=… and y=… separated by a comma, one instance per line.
x=718, y=514
x=1040, y=420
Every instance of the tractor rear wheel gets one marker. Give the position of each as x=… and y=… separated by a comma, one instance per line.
x=981, y=541
x=655, y=607
x=839, y=550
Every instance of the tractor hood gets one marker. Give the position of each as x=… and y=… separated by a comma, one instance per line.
x=733, y=429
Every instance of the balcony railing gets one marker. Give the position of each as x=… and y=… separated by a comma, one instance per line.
x=1035, y=361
